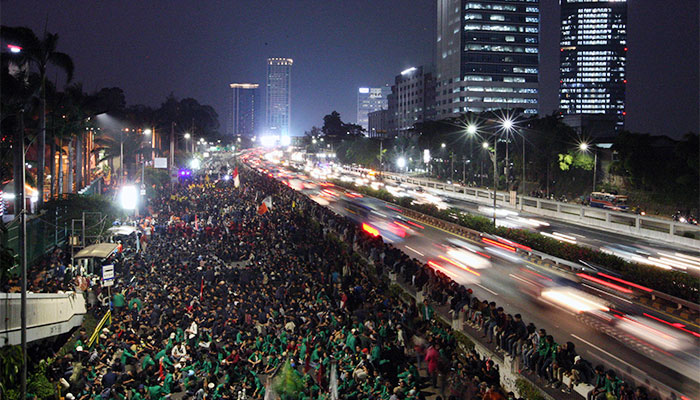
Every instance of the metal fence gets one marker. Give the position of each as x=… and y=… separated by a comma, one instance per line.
x=44, y=232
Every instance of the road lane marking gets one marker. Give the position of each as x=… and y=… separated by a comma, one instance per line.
x=608, y=354
x=415, y=251
x=487, y=289
x=604, y=292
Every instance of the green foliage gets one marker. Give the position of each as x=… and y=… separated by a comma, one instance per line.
x=528, y=391
x=565, y=161
x=38, y=384
x=674, y=283
x=288, y=382
x=10, y=367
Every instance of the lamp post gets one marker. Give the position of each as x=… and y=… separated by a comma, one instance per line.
x=187, y=141
x=471, y=133
x=585, y=147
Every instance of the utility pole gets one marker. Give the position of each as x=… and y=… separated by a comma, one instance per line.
x=495, y=175
x=20, y=211
x=172, y=145
x=452, y=167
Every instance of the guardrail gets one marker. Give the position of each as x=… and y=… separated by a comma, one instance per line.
x=619, y=222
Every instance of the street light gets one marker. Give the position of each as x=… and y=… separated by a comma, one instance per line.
x=443, y=145
x=188, y=136
x=401, y=162
x=128, y=198
x=585, y=147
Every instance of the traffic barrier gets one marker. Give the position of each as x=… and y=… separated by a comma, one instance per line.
x=95, y=337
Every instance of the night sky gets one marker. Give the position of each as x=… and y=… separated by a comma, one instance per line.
x=196, y=48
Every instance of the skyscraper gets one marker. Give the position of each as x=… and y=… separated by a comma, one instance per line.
x=592, y=60
x=278, y=98
x=412, y=100
x=369, y=100
x=487, y=56
x=243, y=108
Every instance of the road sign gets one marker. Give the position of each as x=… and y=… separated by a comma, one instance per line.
x=108, y=272
x=107, y=282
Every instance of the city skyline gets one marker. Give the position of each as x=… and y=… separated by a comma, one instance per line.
x=356, y=49
x=278, y=95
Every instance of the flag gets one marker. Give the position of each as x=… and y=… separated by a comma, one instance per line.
x=236, y=179
x=265, y=206
x=196, y=223
x=201, y=288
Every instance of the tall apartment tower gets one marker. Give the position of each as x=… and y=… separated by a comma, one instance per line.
x=278, y=98
x=370, y=100
x=487, y=56
x=592, y=62
x=243, y=108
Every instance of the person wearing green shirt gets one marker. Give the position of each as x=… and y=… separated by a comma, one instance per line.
x=135, y=302
x=118, y=301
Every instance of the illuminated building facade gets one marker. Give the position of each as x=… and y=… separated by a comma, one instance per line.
x=412, y=100
x=592, y=61
x=243, y=108
x=487, y=56
x=278, y=104
x=370, y=100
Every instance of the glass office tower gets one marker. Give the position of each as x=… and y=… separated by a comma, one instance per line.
x=279, y=95
x=592, y=60
x=487, y=56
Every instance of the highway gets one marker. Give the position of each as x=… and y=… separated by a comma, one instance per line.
x=652, y=354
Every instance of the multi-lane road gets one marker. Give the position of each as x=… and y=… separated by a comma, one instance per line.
x=652, y=348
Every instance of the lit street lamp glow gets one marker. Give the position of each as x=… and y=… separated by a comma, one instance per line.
x=443, y=145
x=187, y=136
x=195, y=163
x=401, y=162
x=128, y=198
x=485, y=145
x=507, y=124
x=583, y=146
x=471, y=129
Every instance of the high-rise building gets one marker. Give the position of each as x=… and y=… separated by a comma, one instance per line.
x=377, y=123
x=243, y=108
x=278, y=97
x=369, y=100
x=487, y=56
x=412, y=100
x=592, y=61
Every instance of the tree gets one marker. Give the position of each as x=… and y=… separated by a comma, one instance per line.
x=40, y=53
x=333, y=126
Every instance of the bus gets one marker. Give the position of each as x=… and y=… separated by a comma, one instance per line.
x=608, y=201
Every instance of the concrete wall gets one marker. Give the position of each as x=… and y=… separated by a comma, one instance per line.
x=632, y=225
x=48, y=314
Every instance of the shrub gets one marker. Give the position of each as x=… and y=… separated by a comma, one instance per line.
x=674, y=283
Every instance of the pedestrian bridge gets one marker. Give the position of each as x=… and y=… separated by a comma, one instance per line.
x=48, y=314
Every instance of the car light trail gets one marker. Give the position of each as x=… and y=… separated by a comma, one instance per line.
x=605, y=283
x=646, y=289
x=370, y=229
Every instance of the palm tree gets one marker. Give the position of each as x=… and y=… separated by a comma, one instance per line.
x=40, y=53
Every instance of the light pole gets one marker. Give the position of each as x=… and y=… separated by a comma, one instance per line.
x=187, y=141
x=585, y=148
x=471, y=133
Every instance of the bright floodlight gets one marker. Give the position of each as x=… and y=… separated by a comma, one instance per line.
x=401, y=162
x=187, y=136
x=426, y=156
x=471, y=129
x=583, y=146
x=268, y=140
x=147, y=132
x=507, y=124
x=313, y=141
x=128, y=198
x=485, y=145
x=443, y=145
x=285, y=140
x=195, y=163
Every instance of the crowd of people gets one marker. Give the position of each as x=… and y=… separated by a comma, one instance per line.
x=221, y=298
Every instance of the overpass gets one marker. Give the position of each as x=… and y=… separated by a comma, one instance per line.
x=48, y=314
